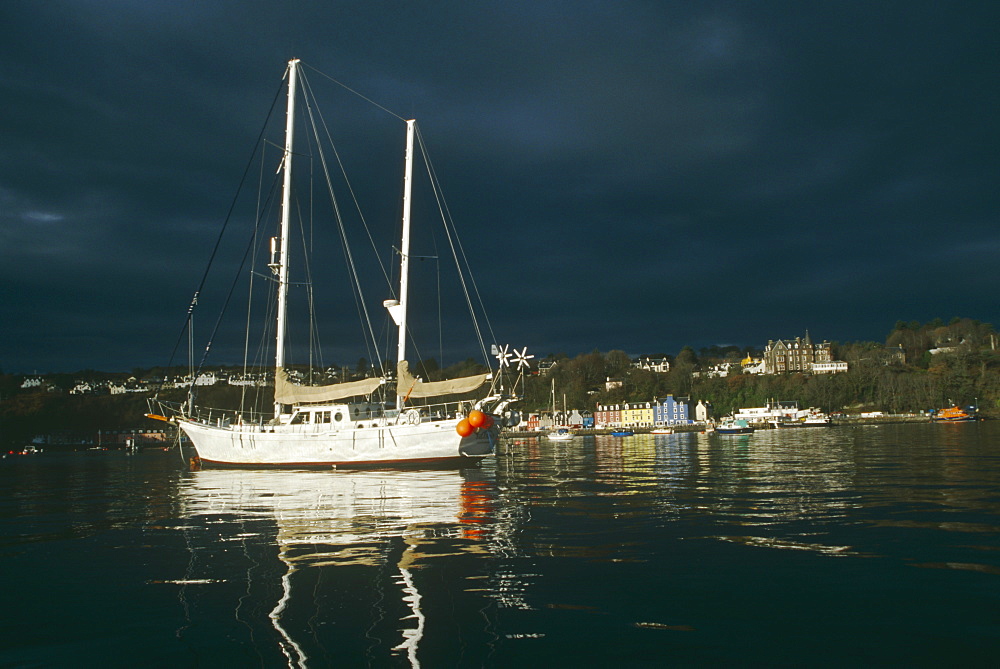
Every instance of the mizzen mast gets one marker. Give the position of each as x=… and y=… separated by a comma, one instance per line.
x=399, y=311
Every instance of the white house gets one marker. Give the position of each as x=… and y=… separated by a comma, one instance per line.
x=753, y=365
x=661, y=365
x=832, y=367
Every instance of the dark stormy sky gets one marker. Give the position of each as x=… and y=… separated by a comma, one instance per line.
x=636, y=175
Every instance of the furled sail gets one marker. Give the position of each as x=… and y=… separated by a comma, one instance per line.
x=408, y=385
x=286, y=392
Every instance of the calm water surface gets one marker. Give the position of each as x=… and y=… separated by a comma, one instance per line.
x=841, y=546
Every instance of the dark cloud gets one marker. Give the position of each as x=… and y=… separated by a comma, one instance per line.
x=645, y=175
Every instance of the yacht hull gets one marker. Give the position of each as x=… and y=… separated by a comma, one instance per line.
x=430, y=443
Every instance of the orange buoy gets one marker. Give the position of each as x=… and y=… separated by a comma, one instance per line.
x=476, y=418
x=464, y=428
x=487, y=422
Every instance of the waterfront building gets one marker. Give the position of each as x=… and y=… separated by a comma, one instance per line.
x=607, y=416
x=703, y=412
x=637, y=415
x=785, y=410
x=672, y=411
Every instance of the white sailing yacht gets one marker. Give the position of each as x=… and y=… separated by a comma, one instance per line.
x=343, y=425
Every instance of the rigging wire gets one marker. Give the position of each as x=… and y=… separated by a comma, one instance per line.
x=250, y=277
x=218, y=241
x=346, y=87
x=360, y=302
x=251, y=244
x=457, y=249
x=253, y=247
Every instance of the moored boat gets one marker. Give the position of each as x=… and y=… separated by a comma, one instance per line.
x=734, y=427
x=357, y=423
x=953, y=414
x=817, y=420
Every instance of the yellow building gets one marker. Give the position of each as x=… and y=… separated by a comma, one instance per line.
x=637, y=415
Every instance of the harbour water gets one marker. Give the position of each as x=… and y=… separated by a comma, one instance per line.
x=871, y=546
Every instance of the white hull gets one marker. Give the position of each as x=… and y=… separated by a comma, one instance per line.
x=321, y=446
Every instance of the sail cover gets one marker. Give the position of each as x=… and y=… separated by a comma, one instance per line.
x=409, y=386
x=286, y=392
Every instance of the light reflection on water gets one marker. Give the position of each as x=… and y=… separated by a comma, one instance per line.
x=870, y=545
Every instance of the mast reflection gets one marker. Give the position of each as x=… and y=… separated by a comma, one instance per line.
x=331, y=531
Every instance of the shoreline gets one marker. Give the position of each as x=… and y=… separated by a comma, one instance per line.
x=847, y=421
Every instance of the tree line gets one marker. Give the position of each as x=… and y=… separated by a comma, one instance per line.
x=944, y=364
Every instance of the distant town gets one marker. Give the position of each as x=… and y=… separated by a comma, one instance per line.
x=919, y=368
x=779, y=357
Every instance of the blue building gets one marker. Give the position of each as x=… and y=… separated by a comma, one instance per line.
x=670, y=411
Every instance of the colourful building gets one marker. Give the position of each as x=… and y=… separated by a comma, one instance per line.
x=607, y=416
x=671, y=411
x=637, y=415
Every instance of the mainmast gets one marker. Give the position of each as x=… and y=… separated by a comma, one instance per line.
x=282, y=268
x=404, y=252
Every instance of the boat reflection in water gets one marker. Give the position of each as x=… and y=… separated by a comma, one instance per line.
x=337, y=536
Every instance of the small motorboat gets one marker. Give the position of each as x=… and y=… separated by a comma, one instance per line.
x=562, y=434
x=734, y=427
